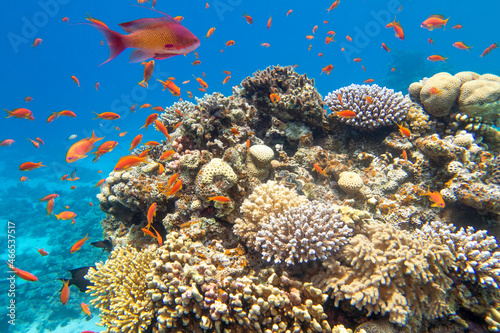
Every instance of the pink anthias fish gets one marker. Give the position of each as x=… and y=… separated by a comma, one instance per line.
x=158, y=38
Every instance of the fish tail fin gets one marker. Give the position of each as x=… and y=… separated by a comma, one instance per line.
x=9, y=113
x=94, y=137
x=115, y=40
x=95, y=117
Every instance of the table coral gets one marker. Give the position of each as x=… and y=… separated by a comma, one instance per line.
x=374, y=106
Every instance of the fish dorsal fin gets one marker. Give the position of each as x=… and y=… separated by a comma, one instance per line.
x=146, y=22
x=439, y=16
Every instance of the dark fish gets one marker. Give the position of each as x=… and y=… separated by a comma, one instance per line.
x=78, y=278
x=105, y=244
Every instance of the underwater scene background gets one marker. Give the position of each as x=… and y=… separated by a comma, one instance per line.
x=312, y=167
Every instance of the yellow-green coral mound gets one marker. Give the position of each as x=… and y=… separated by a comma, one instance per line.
x=119, y=288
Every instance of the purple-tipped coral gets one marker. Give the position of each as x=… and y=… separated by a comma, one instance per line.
x=307, y=232
x=374, y=106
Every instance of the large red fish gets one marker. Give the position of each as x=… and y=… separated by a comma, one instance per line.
x=81, y=148
x=158, y=38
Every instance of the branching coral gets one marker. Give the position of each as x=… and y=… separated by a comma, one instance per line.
x=300, y=234
x=374, y=106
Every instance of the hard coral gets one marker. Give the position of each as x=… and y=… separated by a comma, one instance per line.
x=374, y=106
x=300, y=234
x=214, y=178
x=259, y=161
x=299, y=100
x=439, y=93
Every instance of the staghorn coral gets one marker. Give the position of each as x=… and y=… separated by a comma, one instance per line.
x=300, y=234
x=119, y=288
x=386, y=107
x=299, y=100
x=266, y=199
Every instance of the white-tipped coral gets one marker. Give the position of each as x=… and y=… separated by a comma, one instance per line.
x=300, y=234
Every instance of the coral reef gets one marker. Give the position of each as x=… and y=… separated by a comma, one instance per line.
x=374, y=106
x=259, y=161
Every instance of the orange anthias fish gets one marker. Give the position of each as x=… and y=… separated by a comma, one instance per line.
x=65, y=292
x=21, y=113
x=66, y=113
x=434, y=22
x=436, y=57
x=162, y=129
x=150, y=119
x=104, y=148
x=227, y=78
x=79, y=149
x=219, y=198
x=404, y=131
x=345, y=114
x=461, y=46
x=248, y=18
x=28, y=99
x=202, y=83
x=175, y=188
x=37, y=42
x=22, y=274
x=78, y=245
x=166, y=155
x=66, y=215
x=328, y=69
x=434, y=91
x=210, y=32
x=148, y=71
x=333, y=5
x=436, y=198
x=151, y=214
x=28, y=166
x=269, y=22
x=74, y=78
x=172, y=87
x=107, y=115
x=158, y=38
x=126, y=162
x=36, y=144
x=135, y=142
x=230, y=43
x=489, y=49
x=319, y=170
x=457, y=26
x=275, y=98
x=6, y=142
x=42, y=252
x=385, y=47
x=50, y=207
x=86, y=309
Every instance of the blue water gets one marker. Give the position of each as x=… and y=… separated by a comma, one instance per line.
x=44, y=73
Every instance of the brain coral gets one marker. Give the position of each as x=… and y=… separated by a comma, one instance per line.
x=350, y=182
x=300, y=234
x=374, y=106
x=214, y=178
x=259, y=160
x=480, y=98
x=440, y=104
x=299, y=100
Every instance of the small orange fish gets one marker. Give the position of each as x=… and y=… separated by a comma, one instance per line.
x=150, y=119
x=235, y=131
x=202, y=83
x=226, y=72
x=349, y=38
x=196, y=62
x=269, y=22
x=148, y=72
x=320, y=54
x=489, y=49
x=457, y=26
x=319, y=170
x=107, y=115
x=135, y=142
x=172, y=87
x=230, y=43
x=431, y=41
x=42, y=252
x=434, y=91
x=461, y=46
x=65, y=19
x=21, y=113
x=172, y=179
x=28, y=99
x=37, y=42
x=132, y=108
x=160, y=127
x=78, y=245
x=36, y=144
x=356, y=59
x=345, y=114
x=333, y=5
x=369, y=99
x=393, y=69
x=310, y=37
x=86, y=309
x=97, y=86
x=22, y=274
x=274, y=98
x=63, y=178
x=24, y=178
x=66, y=215
x=226, y=79
x=76, y=80
x=6, y=142
x=151, y=214
x=177, y=125
x=328, y=69
x=122, y=134
x=398, y=29
x=65, y=292
x=158, y=237
x=161, y=168
x=265, y=45
x=166, y=155
x=66, y=113
x=368, y=81
x=178, y=112
x=434, y=22
x=100, y=182
x=175, y=188
x=127, y=162
x=50, y=207
x=436, y=57
x=28, y=166
x=385, y=47
x=289, y=12
x=210, y=32
x=248, y=18
x=40, y=141
x=404, y=131
x=157, y=109
x=364, y=69
x=436, y=198
x=146, y=231
x=405, y=156
x=248, y=144
x=219, y=198
x=79, y=149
